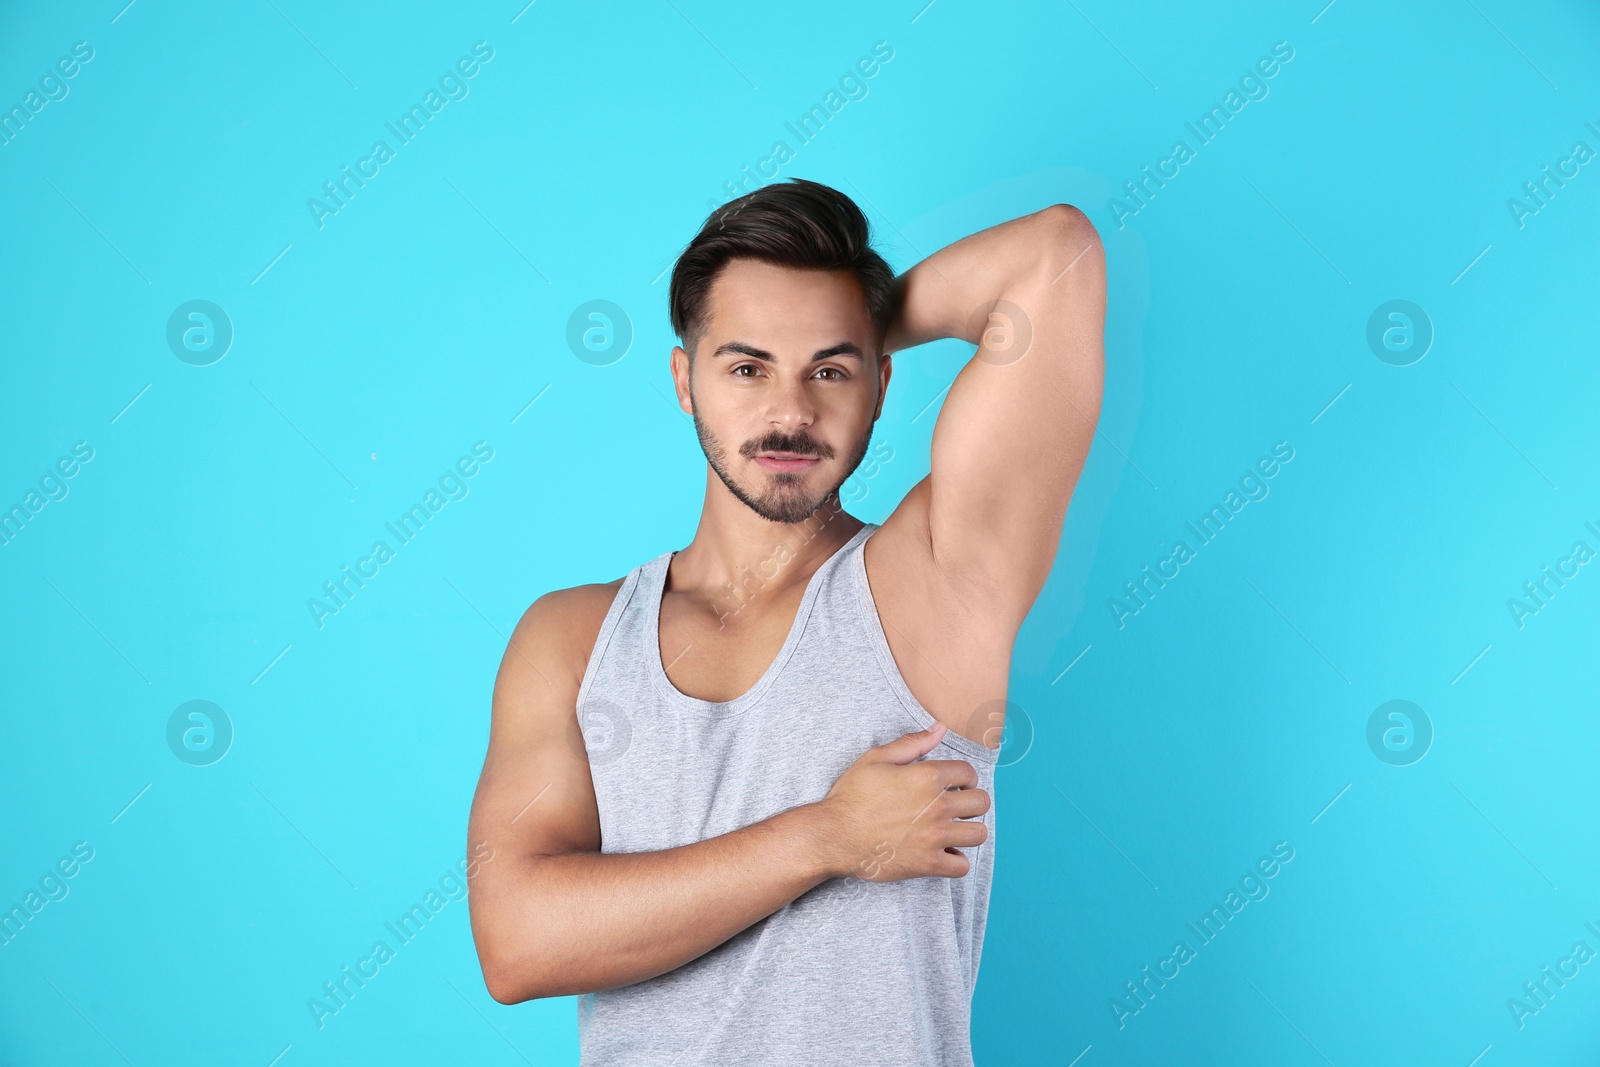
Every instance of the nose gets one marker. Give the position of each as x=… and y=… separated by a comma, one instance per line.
x=790, y=406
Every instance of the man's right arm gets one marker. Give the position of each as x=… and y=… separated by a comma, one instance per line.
x=553, y=916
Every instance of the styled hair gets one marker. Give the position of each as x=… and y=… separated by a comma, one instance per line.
x=798, y=223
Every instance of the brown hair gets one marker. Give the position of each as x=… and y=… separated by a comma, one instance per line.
x=800, y=224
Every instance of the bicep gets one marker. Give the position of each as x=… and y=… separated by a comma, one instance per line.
x=1016, y=427
x=535, y=796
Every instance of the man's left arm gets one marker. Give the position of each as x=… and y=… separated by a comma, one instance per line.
x=1016, y=427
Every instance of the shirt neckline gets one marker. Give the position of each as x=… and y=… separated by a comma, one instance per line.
x=656, y=591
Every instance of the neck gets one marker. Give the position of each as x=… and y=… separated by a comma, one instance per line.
x=738, y=558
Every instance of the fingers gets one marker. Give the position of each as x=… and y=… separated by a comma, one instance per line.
x=966, y=803
x=912, y=746
x=952, y=865
x=964, y=834
x=943, y=793
x=956, y=773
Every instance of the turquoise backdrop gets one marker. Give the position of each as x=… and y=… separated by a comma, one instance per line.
x=1353, y=267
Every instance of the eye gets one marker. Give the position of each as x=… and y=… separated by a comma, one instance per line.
x=744, y=366
x=841, y=376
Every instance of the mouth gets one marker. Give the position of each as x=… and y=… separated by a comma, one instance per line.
x=786, y=461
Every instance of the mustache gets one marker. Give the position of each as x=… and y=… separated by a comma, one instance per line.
x=799, y=444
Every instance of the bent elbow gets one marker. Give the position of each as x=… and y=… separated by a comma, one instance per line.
x=1065, y=221
x=1070, y=243
x=504, y=994
x=507, y=987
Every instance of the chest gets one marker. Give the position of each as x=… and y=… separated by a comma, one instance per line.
x=952, y=664
x=711, y=652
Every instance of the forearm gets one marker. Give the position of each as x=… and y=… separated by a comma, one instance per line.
x=949, y=293
x=580, y=922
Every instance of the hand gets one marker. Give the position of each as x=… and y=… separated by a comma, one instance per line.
x=892, y=815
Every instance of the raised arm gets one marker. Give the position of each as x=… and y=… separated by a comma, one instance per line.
x=553, y=916
x=1016, y=427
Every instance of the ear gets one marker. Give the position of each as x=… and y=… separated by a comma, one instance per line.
x=885, y=369
x=680, y=379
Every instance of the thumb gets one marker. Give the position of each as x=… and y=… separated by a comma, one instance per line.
x=908, y=747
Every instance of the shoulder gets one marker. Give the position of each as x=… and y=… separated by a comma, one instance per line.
x=578, y=605
x=557, y=632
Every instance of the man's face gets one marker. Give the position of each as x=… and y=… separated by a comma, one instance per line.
x=786, y=385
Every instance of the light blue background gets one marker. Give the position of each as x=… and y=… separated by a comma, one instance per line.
x=429, y=312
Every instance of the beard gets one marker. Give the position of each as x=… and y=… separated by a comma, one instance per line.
x=783, y=496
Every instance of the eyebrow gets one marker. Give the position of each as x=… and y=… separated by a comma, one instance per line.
x=843, y=348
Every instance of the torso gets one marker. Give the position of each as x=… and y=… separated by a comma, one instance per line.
x=671, y=768
x=954, y=659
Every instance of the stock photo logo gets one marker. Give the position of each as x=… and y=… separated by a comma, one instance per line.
x=199, y=333
x=858, y=485
x=1139, y=595
x=1004, y=725
x=1537, y=993
x=605, y=731
x=852, y=85
x=53, y=887
x=338, y=193
x=52, y=487
x=1253, y=86
x=453, y=485
x=1399, y=333
x=1004, y=332
x=338, y=992
x=599, y=332
x=1399, y=733
x=53, y=88
x=199, y=733
x=1540, y=192
x=735, y=596
x=1538, y=592
x=1253, y=887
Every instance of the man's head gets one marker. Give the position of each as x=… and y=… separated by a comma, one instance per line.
x=782, y=306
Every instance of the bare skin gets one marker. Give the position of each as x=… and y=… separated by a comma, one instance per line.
x=791, y=356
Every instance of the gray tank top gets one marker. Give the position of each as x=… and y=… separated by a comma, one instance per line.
x=850, y=973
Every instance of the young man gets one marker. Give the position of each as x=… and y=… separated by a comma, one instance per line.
x=740, y=798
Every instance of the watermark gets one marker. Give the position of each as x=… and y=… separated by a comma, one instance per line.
x=855, y=488
x=1252, y=484
x=53, y=88
x=736, y=594
x=52, y=487
x=338, y=992
x=1538, y=194
x=1537, y=593
x=852, y=86
x=1536, y=995
x=1004, y=332
x=604, y=731
x=338, y=192
x=1399, y=332
x=452, y=485
x=1399, y=733
x=1142, y=191
x=1003, y=725
x=199, y=733
x=199, y=332
x=1252, y=888
x=53, y=888
x=599, y=332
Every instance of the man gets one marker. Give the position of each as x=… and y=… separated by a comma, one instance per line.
x=706, y=786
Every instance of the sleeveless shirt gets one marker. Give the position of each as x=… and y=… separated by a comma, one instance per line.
x=851, y=972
